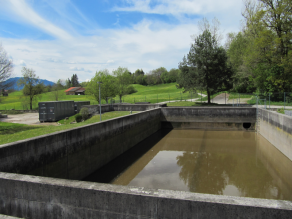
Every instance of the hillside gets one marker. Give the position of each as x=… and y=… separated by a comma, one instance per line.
x=15, y=87
x=153, y=94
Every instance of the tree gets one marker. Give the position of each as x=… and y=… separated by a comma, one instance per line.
x=68, y=83
x=123, y=80
x=32, y=85
x=74, y=81
x=56, y=92
x=107, y=88
x=6, y=67
x=205, y=66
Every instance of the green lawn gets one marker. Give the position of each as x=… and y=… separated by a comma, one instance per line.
x=157, y=93
x=152, y=94
x=11, y=132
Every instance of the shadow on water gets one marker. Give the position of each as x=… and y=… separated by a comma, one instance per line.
x=113, y=169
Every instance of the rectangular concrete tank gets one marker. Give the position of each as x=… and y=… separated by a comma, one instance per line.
x=55, y=110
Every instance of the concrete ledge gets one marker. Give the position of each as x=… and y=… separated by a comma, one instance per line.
x=40, y=197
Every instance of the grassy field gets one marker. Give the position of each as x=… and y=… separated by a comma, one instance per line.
x=152, y=94
x=11, y=132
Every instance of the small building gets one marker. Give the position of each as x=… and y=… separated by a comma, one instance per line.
x=75, y=91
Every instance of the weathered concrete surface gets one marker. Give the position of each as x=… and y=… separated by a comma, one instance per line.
x=41, y=197
x=277, y=129
x=227, y=118
x=94, y=109
x=75, y=153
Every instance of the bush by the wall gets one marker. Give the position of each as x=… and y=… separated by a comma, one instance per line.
x=84, y=113
x=78, y=117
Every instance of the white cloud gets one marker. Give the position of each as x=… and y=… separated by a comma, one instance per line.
x=22, y=63
x=23, y=10
x=110, y=61
x=76, y=69
x=175, y=7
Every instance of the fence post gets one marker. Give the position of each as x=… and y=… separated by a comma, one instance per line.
x=201, y=96
x=168, y=98
x=225, y=97
x=239, y=98
x=269, y=100
x=284, y=99
x=192, y=97
x=145, y=98
x=157, y=98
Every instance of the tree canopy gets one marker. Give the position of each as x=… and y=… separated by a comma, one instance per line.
x=123, y=80
x=205, y=67
x=6, y=67
x=32, y=85
x=107, y=88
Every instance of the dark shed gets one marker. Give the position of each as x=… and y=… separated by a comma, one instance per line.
x=55, y=110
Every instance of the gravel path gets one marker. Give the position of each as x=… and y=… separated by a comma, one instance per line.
x=26, y=118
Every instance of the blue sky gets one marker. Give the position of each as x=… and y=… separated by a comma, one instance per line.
x=58, y=38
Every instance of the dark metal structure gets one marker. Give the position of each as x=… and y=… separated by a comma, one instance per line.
x=55, y=110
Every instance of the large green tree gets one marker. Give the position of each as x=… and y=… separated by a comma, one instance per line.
x=107, y=87
x=205, y=67
x=265, y=57
x=32, y=85
x=123, y=80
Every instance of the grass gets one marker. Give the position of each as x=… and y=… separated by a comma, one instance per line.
x=152, y=94
x=11, y=132
x=157, y=93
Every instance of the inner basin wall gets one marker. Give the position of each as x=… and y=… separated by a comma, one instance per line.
x=214, y=118
x=277, y=129
x=75, y=153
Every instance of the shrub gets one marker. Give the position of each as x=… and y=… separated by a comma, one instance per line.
x=78, y=117
x=131, y=89
x=84, y=113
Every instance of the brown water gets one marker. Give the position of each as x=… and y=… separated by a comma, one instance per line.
x=232, y=163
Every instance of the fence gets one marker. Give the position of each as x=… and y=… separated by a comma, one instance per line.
x=263, y=100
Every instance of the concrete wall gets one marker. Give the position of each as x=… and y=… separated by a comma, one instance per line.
x=75, y=153
x=277, y=129
x=94, y=109
x=41, y=197
x=222, y=118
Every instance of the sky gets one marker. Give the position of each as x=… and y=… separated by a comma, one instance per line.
x=59, y=38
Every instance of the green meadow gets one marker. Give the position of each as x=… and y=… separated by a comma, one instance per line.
x=152, y=94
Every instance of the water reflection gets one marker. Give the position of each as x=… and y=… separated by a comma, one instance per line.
x=215, y=162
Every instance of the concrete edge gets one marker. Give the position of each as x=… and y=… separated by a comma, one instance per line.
x=159, y=193
x=67, y=130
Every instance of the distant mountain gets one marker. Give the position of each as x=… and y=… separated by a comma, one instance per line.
x=15, y=87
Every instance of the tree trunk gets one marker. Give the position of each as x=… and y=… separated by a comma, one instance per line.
x=209, y=96
x=30, y=104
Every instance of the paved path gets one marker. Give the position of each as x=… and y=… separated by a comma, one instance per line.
x=26, y=118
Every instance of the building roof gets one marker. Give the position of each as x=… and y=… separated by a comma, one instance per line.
x=75, y=89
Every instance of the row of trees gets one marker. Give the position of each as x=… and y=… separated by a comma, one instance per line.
x=260, y=54
x=156, y=76
x=116, y=84
x=257, y=59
